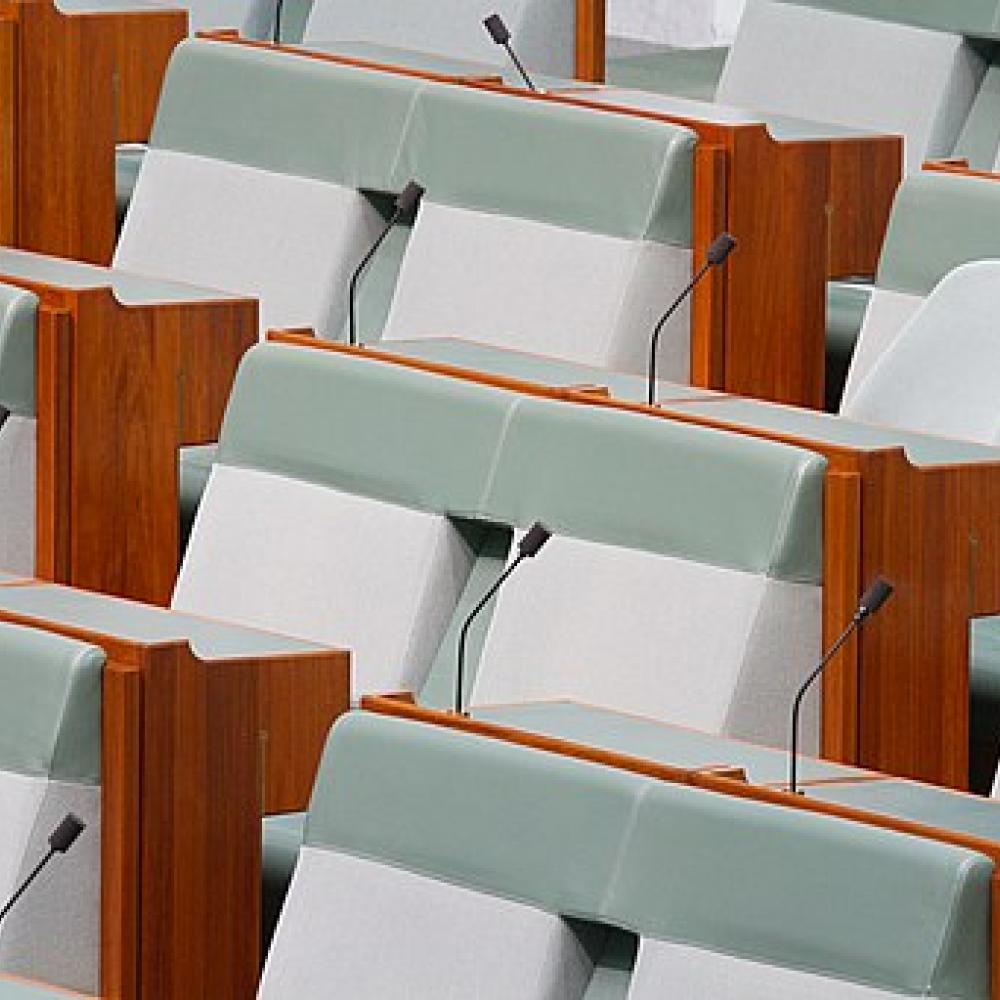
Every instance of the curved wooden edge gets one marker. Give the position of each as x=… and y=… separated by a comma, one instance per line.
x=959, y=168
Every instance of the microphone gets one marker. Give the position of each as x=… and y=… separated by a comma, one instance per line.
x=716, y=255
x=872, y=600
x=500, y=34
x=276, y=37
x=405, y=205
x=529, y=547
x=62, y=838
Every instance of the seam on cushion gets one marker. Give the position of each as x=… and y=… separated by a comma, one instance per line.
x=637, y=247
x=727, y=722
x=515, y=405
x=795, y=482
x=404, y=132
x=665, y=164
x=626, y=840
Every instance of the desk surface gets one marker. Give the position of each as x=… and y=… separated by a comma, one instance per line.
x=145, y=624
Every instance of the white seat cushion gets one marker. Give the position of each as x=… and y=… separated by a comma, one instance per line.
x=17, y=495
x=360, y=929
x=941, y=375
x=679, y=972
x=540, y=288
x=833, y=67
x=679, y=641
x=888, y=312
x=309, y=561
x=689, y=23
x=292, y=242
x=53, y=933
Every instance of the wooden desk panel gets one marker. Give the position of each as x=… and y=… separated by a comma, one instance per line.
x=802, y=210
x=119, y=390
x=72, y=85
x=194, y=752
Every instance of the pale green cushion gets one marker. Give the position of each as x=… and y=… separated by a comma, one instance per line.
x=50, y=712
x=128, y=161
x=975, y=18
x=979, y=141
x=282, y=838
x=144, y=623
x=18, y=316
x=938, y=222
x=621, y=478
x=986, y=659
x=195, y=467
x=692, y=73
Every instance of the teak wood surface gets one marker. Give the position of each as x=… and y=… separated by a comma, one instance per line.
x=896, y=699
x=803, y=211
x=194, y=752
x=715, y=779
x=72, y=85
x=119, y=389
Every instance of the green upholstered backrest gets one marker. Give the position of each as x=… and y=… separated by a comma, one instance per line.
x=50, y=711
x=974, y=18
x=938, y=222
x=612, y=174
x=381, y=430
x=18, y=316
x=979, y=140
x=463, y=448
x=360, y=128
x=722, y=873
x=625, y=479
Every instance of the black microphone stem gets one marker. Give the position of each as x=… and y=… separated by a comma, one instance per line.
x=353, y=332
x=277, y=21
x=797, y=705
x=655, y=342
x=520, y=67
x=27, y=882
x=464, y=634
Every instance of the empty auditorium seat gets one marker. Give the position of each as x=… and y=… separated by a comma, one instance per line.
x=443, y=864
x=50, y=764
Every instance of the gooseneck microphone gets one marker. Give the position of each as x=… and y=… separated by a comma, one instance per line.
x=716, y=255
x=278, y=7
x=62, y=838
x=405, y=205
x=500, y=34
x=872, y=600
x=529, y=547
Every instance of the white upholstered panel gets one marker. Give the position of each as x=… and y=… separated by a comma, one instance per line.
x=715, y=649
x=541, y=288
x=359, y=929
x=678, y=972
x=251, y=16
x=290, y=241
x=280, y=554
x=830, y=67
x=692, y=23
x=941, y=375
x=888, y=312
x=543, y=30
x=17, y=495
x=53, y=933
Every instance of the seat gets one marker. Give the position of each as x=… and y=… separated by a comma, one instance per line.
x=50, y=764
x=482, y=868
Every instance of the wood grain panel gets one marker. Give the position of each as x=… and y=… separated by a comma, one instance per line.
x=709, y=301
x=8, y=126
x=590, y=39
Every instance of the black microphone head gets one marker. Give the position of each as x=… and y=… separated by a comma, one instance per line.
x=874, y=597
x=537, y=535
x=409, y=198
x=64, y=836
x=497, y=29
x=721, y=247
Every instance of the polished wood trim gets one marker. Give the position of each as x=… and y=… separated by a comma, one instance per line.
x=404, y=707
x=709, y=301
x=8, y=130
x=959, y=168
x=119, y=390
x=590, y=39
x=182, y=781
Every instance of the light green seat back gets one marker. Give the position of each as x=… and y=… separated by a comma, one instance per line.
x=18, y=317
x=973, y=18
x=979, y=141
x=50, y=710
x=620, y=478
x=365, y=427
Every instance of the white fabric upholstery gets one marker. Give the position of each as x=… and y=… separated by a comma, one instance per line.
x=680, y=972
x=17, y=495
x=543, y=30
x=53, y=933
x=364, y=930
x=688, y=23
x=541, y=288
x=281, y=554
x=888, y=312
x=290, y=241
x=831, y=67
x=715, y=649
x=941, y=375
